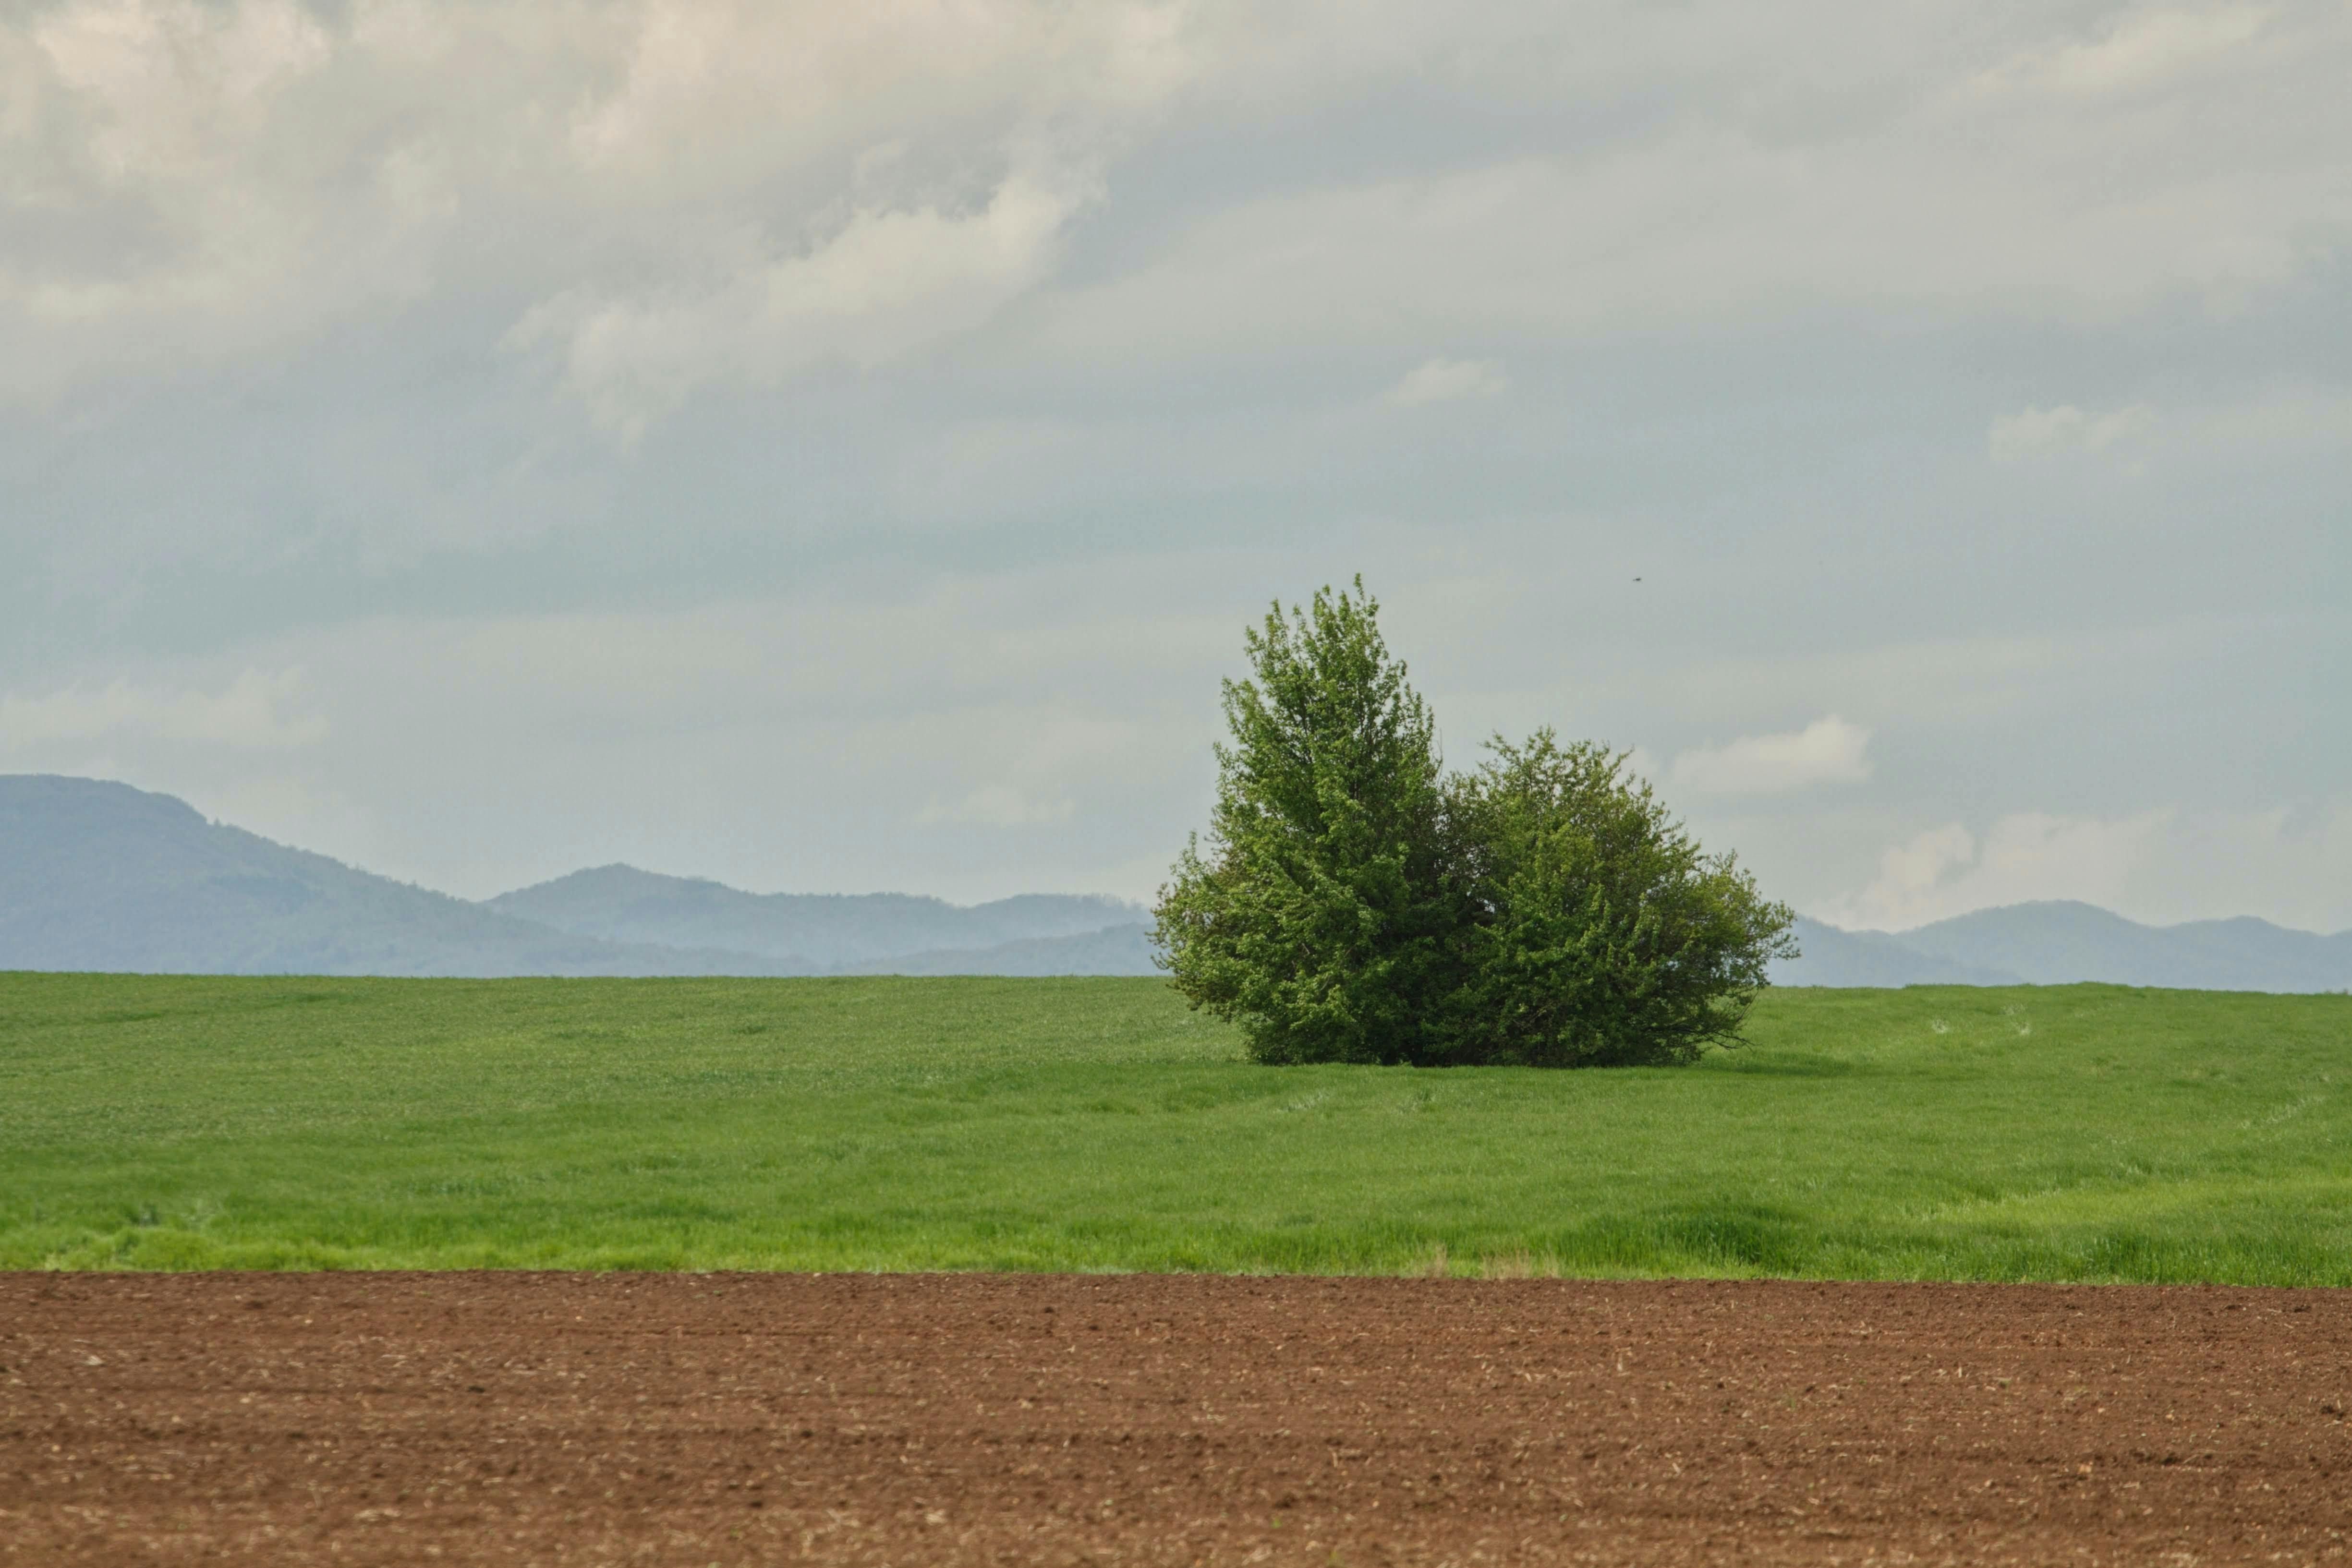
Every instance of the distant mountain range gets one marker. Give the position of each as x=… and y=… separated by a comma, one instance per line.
x=100, y=876
x=803, y=933
x=2058, y=943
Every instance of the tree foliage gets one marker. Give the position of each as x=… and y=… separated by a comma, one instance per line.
x=1322, y=915
x=1355, y=903
x=1600, y=933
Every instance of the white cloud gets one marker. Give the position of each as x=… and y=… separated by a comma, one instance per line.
x=2043, y=431
x=1445, y=380
x=2029, y=855
x=168, y=77
x=2290, y=865
x=2142, y=52
x=886, y=283
x=710, y=91
x=200, y=178
x=1827, y=751
x=203, y=179
x=189, y=189
x=248, y=714
x=2277, y=419
x=1955, y=203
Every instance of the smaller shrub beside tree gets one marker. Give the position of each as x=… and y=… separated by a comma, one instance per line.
x=1354, y=902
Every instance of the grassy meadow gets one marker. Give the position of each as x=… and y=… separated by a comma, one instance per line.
x=2075, y=1133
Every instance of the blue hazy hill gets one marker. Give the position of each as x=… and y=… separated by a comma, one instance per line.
x=2052, y=943
x=2059, y=943
x=100, y=876
x=817, y=932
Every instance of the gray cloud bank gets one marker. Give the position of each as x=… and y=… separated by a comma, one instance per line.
x=836, y=447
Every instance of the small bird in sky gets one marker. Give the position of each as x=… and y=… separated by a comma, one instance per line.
x=1637, y=579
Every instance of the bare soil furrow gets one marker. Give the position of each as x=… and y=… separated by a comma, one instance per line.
x=697, y=1419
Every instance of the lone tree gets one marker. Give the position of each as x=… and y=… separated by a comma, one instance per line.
x=1323, y=916
x=1354, y=903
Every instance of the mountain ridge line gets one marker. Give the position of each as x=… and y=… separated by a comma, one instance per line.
x=99, y=875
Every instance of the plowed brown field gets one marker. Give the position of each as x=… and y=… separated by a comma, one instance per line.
x=682, y=1419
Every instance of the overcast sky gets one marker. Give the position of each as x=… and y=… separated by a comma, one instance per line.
x=837, y=447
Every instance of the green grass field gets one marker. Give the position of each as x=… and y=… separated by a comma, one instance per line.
x=2079, y=1133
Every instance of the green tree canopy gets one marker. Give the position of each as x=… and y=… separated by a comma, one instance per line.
x=1321, y=916
x=1599, y=933
x=1354, y=903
